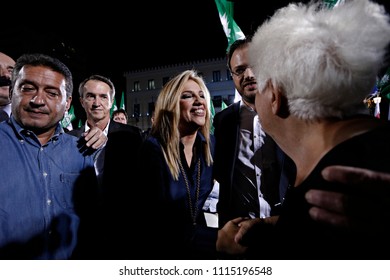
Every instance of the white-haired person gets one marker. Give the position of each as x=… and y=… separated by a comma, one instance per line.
x=314, y=66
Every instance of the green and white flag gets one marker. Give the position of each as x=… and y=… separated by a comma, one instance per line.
x=231, y=29
x=332, y=3
x=122, y=104
x=69, y=116
x=223, y=105
x=80, y=124
x=113, y=107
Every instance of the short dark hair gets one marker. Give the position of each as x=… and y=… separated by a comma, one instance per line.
x=118, y=111
x=39, y=59
x=101, y=79
x=240, y=43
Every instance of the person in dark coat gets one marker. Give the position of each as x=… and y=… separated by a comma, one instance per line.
x=115, y=166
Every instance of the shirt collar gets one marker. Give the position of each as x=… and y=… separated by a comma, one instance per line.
x=244, y=106
x=22, y=132
x=105, y=131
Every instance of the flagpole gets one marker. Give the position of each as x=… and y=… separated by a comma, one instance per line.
x=232, y=30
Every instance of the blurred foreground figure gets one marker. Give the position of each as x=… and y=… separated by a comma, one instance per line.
x=314, y=66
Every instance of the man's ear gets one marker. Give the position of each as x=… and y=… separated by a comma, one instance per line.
x=68, y=102
x=279, y=102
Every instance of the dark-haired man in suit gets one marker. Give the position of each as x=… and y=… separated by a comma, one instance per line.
x=96, y=96
x=248, y=164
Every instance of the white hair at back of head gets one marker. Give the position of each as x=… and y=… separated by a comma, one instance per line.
x=326, y=60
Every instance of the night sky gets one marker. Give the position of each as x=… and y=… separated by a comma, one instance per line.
x=110, y=38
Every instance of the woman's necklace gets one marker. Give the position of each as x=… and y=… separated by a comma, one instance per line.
x=193, y=208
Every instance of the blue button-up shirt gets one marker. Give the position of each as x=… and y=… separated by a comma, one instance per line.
x=38, y=217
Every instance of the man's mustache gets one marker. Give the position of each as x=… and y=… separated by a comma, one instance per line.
x=4, y=81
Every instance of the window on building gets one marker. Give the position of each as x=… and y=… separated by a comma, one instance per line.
x=216, y=76
x=150, y=108
x=137, y=112
x=217, y=101
x=136, y=86
x=151, y=84
x=229, y=100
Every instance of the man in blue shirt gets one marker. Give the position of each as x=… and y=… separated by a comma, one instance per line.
x=45, y=179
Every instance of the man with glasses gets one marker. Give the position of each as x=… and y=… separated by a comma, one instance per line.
x=247, y=164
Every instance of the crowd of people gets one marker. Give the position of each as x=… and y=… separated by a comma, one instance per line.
x=296, y=159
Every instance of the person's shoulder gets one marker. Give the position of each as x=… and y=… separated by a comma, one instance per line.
x=134, y=128
x=124, y=132
x=117, y=126
x=228, y=116
x=75, y=132
x=151, y=146
x=70, y=141
x=5, y=129
x=151, y=142
x=75, y=145
x=228, y=110
x=4, y=124
x=67, y=136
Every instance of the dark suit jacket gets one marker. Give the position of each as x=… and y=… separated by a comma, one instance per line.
x=118, y=201
x=273, y=185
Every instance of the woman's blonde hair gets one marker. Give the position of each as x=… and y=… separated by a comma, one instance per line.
x=167, y=116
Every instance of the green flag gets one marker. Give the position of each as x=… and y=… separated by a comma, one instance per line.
x=212, y=113
x=80, y=123
x=223, y=105
x=122, y=104
x=113, y=107
x=231, y=29
x=383, y=84
x=69, y=116
x=332, y=3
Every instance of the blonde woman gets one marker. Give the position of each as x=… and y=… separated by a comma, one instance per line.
x=176, y=172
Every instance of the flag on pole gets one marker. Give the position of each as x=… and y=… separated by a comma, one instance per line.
x=80, y=123
x=69, y=116
x=223, y=105
x=332, y=3
x=231, y=29
x=113, y=107
x=122, y=104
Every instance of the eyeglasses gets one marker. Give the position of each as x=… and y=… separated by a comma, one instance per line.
x=240, y=70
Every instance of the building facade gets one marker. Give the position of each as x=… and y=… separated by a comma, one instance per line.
x=144, y=85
